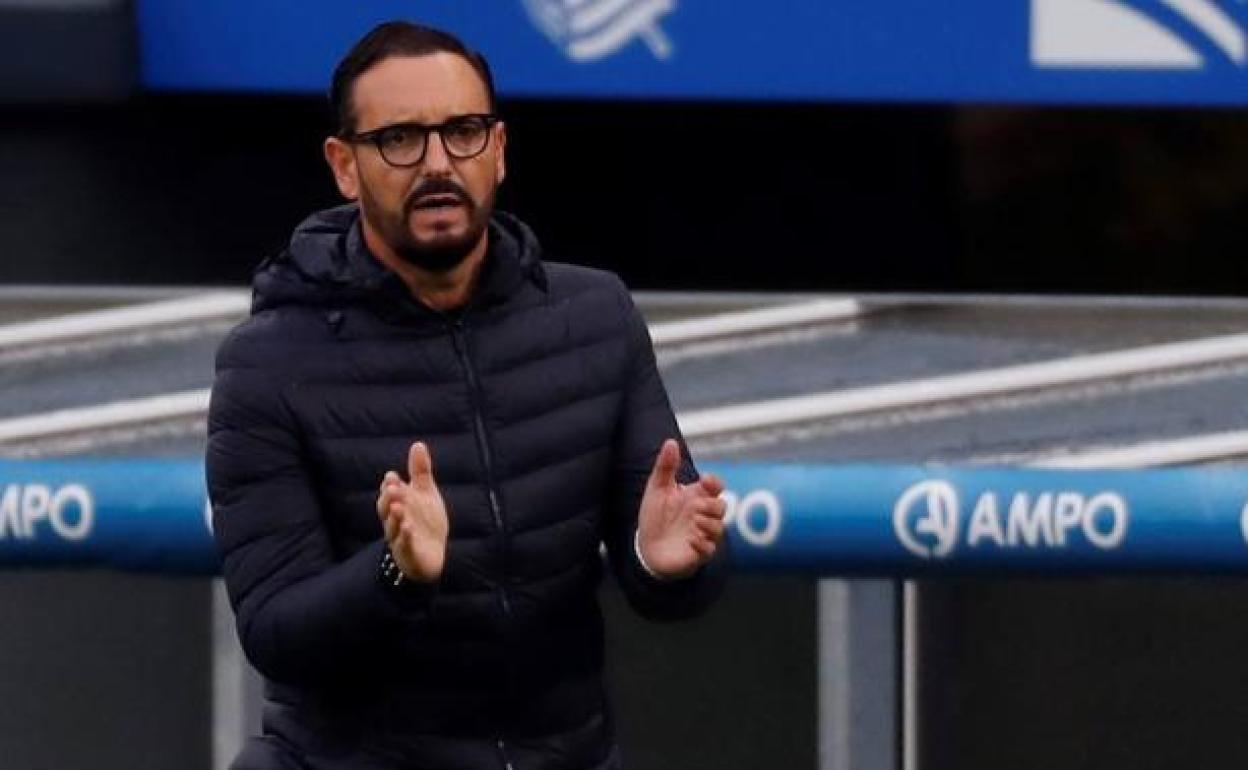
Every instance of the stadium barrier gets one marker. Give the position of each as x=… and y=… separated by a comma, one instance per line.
x=152, y=516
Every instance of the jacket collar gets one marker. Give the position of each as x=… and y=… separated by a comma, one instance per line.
x=512, y=257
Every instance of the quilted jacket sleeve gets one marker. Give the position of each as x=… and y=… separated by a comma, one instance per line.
x=303, y=616
x=646, y=422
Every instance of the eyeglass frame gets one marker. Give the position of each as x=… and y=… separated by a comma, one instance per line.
x=373, y=136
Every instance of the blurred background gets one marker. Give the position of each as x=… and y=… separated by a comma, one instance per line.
x=1079, y=151
x=833, y=147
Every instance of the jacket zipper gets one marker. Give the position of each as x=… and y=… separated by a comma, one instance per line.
x=460, y=336
x=502, y=754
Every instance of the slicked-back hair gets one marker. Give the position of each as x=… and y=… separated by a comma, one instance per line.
x=394, y=38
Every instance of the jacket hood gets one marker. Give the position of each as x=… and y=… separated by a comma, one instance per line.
x=327, y=263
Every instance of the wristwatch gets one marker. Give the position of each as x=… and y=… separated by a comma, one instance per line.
x=391, y=576
x=409, y=593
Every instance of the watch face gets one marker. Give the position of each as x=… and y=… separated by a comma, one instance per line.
x=390, y=572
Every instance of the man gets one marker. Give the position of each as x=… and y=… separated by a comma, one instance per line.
x=418, y=442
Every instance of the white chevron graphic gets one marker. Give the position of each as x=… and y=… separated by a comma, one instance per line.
x=1105, y=34
x=1211, y=20
x=589, y=30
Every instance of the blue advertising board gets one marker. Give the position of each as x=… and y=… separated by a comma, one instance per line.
x=152, y=515
x=133, y=515
x=916, y=520
x=1045, y=51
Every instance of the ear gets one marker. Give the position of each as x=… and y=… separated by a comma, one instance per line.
x=500, y=157
x=341, y=160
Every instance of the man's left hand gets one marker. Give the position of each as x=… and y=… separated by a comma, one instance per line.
x=679, y=526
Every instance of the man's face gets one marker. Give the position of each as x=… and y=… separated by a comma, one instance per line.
x=435, y=213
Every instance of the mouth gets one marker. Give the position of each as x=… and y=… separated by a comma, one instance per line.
x=439, y=202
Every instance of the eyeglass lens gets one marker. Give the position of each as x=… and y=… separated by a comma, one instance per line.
x=462, y=138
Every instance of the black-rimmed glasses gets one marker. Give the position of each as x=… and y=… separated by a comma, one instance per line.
x=404, y=144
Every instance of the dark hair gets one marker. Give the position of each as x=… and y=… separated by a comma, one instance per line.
x=394, y=38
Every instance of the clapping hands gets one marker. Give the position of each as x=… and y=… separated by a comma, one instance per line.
x=413, y=515
x=679, y=526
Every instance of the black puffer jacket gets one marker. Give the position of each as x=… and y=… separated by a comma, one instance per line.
x=543, y=410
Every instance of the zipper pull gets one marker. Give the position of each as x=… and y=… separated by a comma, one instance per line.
x=502, y=752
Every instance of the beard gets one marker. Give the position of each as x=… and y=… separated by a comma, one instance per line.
x=441, y=253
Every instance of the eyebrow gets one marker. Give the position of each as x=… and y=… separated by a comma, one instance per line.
x=421, y=124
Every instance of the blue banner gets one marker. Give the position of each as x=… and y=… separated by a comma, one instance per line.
x=818, y=520
x=136, y=515
x=1047, y=51
x=908, y=521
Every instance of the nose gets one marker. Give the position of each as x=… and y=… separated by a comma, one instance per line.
x=437, y=161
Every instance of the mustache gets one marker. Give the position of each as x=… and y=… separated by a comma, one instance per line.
x=438, y=187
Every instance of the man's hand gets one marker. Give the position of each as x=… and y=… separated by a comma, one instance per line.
x=414, y=517
x=679, y=526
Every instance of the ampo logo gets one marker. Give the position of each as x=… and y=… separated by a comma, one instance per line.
x=928, y=520
x=1128, y=34
x=589, y=30
x=757, y=516
x=28, y=509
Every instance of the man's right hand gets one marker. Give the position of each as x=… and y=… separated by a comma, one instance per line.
x=414, y=517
